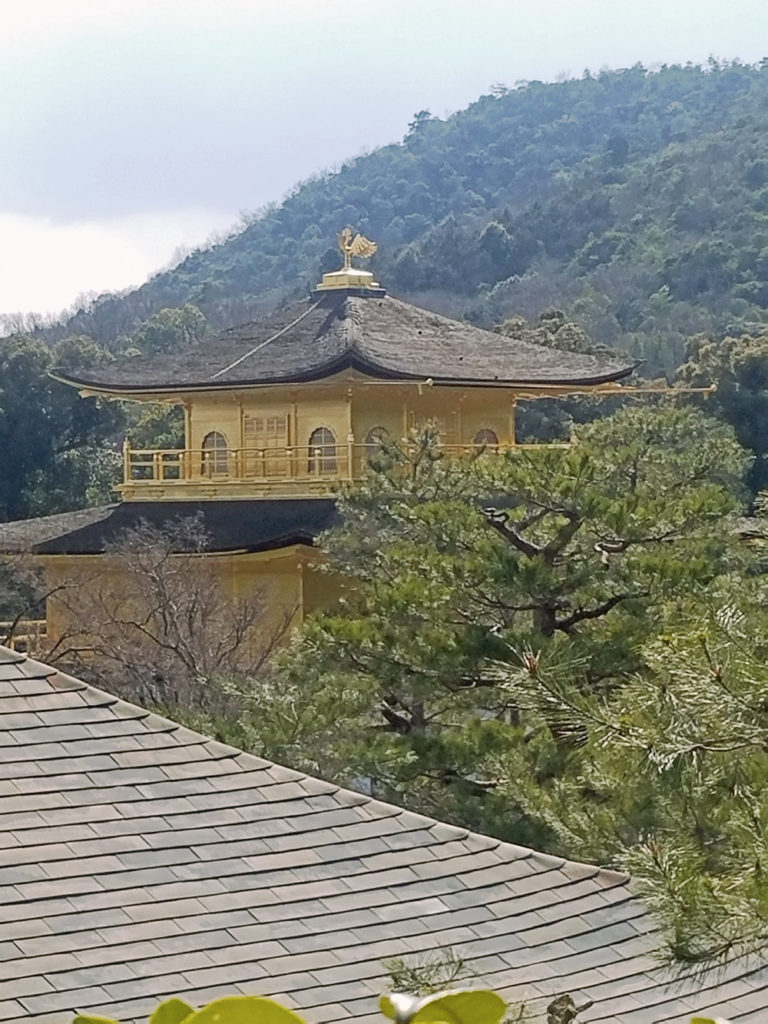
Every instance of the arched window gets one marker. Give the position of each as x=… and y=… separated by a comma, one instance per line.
x=486, y=437
x=322, y=451
x=215, y=454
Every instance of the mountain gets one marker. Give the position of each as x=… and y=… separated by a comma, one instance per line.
x=634, y=201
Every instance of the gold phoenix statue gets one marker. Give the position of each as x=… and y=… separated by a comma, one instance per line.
x=357, y=246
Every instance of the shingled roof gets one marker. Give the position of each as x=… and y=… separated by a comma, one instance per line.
x=241, y=525
x=21, y=535
x=380, y=336
x=139, y=859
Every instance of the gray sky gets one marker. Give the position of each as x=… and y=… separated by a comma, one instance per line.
x=131, y=128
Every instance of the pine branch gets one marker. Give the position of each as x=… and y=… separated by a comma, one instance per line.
x=585, y=614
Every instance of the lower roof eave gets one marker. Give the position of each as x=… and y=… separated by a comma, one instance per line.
x=237, y=526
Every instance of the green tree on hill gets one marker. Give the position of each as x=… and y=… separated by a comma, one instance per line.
x=635, y=201
x=171, y=330
x=53, y=441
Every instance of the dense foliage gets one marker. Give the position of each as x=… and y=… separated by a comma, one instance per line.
x=635, y=201
x=62, y=451
x=53, y=442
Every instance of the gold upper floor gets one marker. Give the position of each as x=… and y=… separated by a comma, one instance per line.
x=305, y=440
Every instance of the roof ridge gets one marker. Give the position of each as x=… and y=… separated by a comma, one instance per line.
x=351, y=318
x=444, y=830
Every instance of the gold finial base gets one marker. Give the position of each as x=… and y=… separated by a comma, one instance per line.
x=349, y=276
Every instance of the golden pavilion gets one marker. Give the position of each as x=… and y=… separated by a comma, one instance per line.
x=281, y=412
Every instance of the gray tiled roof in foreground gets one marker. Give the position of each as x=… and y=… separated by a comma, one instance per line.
x=139, y=859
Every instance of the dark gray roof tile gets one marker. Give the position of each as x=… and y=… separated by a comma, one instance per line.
x=602, y=936
x=264, y=930
x=146, y=876
x=109, y=918
x=154, y=989
x=207, y=941
x=253, y=974
x=105, y=897
x=25, y=534
x=51, y=1002
x=40, y=1018
x=10, y=1009
x=14, y=874
x=741, y=1004
x=151, y=910
x=256, y=951
x=58, y=888
x=343, y=901
x=88, y=977
x=219, y=901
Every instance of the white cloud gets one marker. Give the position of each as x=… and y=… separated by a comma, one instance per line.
x=37, y=24
x=44, y=265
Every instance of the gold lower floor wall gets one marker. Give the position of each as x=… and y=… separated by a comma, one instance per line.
x=252, y=599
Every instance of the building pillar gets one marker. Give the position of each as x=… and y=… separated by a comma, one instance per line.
x=350, y=438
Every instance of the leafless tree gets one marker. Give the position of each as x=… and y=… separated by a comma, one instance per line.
x=156, y=623
x=22, y=598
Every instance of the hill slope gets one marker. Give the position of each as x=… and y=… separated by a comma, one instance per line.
x=637, y=202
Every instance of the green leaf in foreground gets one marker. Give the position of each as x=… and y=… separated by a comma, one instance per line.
x=465, y=1006
x=171, y=1011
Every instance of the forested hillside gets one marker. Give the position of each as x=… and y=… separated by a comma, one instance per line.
x=636, y=202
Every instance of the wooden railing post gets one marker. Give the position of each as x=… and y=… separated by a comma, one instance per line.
x=126, y=461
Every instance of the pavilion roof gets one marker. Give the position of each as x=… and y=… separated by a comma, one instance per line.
x=376, y=334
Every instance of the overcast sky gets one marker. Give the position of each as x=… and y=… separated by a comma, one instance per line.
x=131, y=128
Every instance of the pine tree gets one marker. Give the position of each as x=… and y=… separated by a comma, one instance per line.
x=466, y=578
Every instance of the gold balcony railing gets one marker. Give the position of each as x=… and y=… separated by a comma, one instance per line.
x=295, y=469
x=295, y=463
x=27, y=636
